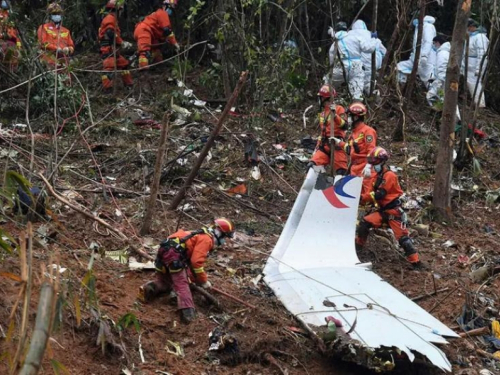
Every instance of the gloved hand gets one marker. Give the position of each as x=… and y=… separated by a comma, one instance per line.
x=177, y=47
x=59, y=51
x=18, y=45
x=206, y=285
x=126, y=45
x=65, y=50
x=331, y=31
x=367, y=172
x=333, y=108
x=423, y=60
x=336, y=140
x=374, y=35
x=310, y=165
x=476, y=73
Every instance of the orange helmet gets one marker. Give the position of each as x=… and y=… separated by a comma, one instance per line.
x=358, y=109
x=327, y=92
x=170, y=3
x=377, y=156
x=226, y=226
x=111, y=4
x=54, y=8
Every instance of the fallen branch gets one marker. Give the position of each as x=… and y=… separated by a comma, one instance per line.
x=418, y=298
x=221, y=292
x=476, y=332
x=95, y=218
x=214, y=301
x=203, y=154
x=486, y=354
x=269, y=358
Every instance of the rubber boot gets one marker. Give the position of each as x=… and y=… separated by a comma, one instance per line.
x=410, y=252
x=188, y=315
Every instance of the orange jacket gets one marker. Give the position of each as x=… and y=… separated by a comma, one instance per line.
x=7, y=30
x=384, y=188
x=157, y=22
x=51, y=37
x=109, y=30
x=362, y=140
x=339, y=123
x=197, y=249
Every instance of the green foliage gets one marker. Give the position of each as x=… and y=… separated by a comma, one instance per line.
x=193, y=12
x=126, y=320
x=5, y=241
x=211, y=78
x=181, y=68
x=89, y=282
x=50, y=91
x=12, y=181
x=58, y=367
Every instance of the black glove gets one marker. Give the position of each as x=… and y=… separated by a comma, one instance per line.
x=310, y=165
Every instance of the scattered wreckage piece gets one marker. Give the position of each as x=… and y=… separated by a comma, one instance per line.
x=315, y=260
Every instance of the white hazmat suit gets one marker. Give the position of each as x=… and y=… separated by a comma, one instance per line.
x=478, y=45
x=359, y=28
x=351, y=47
x=426, y=62
x=435, y=91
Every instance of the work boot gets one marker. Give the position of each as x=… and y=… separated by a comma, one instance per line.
x=188, y=315
x=147, y=292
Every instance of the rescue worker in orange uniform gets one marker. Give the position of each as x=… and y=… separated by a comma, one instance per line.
x=336, y=113
x=153, y=31
x=385, y=193
x=10, y=44
x=54, y=39
x=362, y=140
x=180, y=259
x=109, y=37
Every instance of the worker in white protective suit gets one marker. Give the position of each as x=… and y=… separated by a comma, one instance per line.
x=426, y=62
x=359, y=28
x=351, y=46
x=442, y=50
x=478, y=45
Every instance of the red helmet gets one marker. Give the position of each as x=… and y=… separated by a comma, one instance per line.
x=377, y=156
x=226, y=226
x=327, y=92
x=358, y=109
x=111, y=4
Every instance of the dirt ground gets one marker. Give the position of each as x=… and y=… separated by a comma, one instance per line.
x=125, y=154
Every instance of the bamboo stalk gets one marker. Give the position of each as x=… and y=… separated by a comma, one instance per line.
x=41, y=333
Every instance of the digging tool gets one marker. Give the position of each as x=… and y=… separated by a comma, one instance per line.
x=232, y=297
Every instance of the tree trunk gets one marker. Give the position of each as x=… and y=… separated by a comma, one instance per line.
x=442, y=183
x=155, y=185
x=374, y=54
x=399, y=131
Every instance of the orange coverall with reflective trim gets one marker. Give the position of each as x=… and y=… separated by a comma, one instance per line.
x=52, y=37
x=321, y=155
x=389, y=185
x=10, y=44
x=365, y=138
x=150, y=33
x=111, y=23
x=197, y=249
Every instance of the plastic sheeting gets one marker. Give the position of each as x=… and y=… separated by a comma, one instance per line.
x=315, y=260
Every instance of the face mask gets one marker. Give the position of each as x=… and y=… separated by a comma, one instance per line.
x=169, y=11
x=221, y=241
x=415, y=22
x=377, y=168
x=56, y=18
x=434, y=48
x=5, y=5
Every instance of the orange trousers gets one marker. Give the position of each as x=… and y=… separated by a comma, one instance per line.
x=146, y=46
x=375, y=219
x=321, y=157
x=121, y=64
